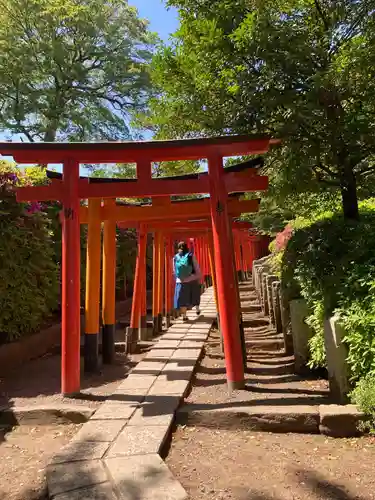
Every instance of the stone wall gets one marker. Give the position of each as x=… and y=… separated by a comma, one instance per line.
x=336, y=353
x=301, y=333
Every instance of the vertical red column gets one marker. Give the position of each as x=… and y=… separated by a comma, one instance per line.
x=226, y=287
x=245, y=255
x=205, y=262
x=161, y=273
x=237, y=253
x=143, y=326
x=140, y=269
x=155, y=282
x=71, y=342
x=168, y=281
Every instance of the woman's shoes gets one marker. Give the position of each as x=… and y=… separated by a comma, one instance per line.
x=185, y=318
x=198, y=311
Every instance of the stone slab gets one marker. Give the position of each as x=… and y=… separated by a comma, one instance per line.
x=137, y=381
x=199, y=337
x=298, y=419
x=102, y=491
x=186, y=366
x=114, y=410
x=186, y=354
x=129, y=394
x=45, y=414
x=166, y=386
x=134, y=440
x=156, y=411
x=159, y=354
x=149, y=367
x=62, y=478
x=191, y=344
x=173, y=336
x=100, y=430
x=144, y=477
x=78, y=450
x=340, y=420
x=167, y=344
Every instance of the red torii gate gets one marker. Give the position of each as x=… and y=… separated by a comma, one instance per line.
x=218, y=182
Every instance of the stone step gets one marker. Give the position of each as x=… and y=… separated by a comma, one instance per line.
x=265, y=345
x=337, y=421
x=298, y=419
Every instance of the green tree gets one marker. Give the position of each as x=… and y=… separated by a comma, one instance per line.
x=302, y=70
x=72, y=69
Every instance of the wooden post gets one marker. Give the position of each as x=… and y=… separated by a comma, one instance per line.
x=143, y=292
x=238, y=307
x=211, y=258
x=109, y=287
x=226, y=287
x=133, y=330
x=91, y=350
x=71, y=340
x=155, y=282
x=168, y=281
x=161, y=272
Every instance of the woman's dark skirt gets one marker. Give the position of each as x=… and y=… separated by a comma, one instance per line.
x=187, y=294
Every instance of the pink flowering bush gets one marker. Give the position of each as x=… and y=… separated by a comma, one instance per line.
x=29, y=278
x=282, y=238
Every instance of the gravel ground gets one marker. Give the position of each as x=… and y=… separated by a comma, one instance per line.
x=25, y=450
x=218, y=464
x=24, y=453
x=232, y=462
x=38, y=382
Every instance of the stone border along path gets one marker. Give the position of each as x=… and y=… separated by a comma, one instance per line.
x=115, y=455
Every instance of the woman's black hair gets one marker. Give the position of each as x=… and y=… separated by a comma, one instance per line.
x=183, y=246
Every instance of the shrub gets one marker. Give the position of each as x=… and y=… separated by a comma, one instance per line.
x=364, y=397
x=29, y=281
x=331, y=263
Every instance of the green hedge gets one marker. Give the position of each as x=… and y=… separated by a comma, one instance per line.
x=331, y=263
x=29, y=275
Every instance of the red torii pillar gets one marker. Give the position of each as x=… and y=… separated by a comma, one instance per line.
x=169, y=288
x=109, y=286
x=226, y=286
x=70, y=325
x=138, y=292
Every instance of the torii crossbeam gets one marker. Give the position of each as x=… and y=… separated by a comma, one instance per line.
x=70, y=189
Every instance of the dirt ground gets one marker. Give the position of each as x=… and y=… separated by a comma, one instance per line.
x=25, y=450
x=232, y=462
x=220, y=464
x=24, y=453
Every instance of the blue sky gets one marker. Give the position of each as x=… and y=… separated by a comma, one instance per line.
x=162, y=20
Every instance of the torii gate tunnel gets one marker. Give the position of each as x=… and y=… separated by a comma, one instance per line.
x=71, y=189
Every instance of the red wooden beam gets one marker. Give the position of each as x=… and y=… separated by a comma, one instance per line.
x=172, y=212
x=234, y=182
x=114, y=152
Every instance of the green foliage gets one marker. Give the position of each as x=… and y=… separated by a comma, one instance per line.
x=364, y=397
x=300, y=70
x=316, y=343
x=72, y=69
x=29, y=278
x=331, y=263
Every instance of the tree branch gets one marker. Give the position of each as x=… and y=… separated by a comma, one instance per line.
x=325, y=169
x=321, y=14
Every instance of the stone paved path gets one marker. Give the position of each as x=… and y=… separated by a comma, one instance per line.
x=115, y=456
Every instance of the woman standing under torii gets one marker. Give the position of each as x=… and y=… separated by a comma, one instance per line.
x=187, y=274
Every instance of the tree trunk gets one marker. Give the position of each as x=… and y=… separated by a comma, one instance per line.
x=348, y=185
x=50, y=135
